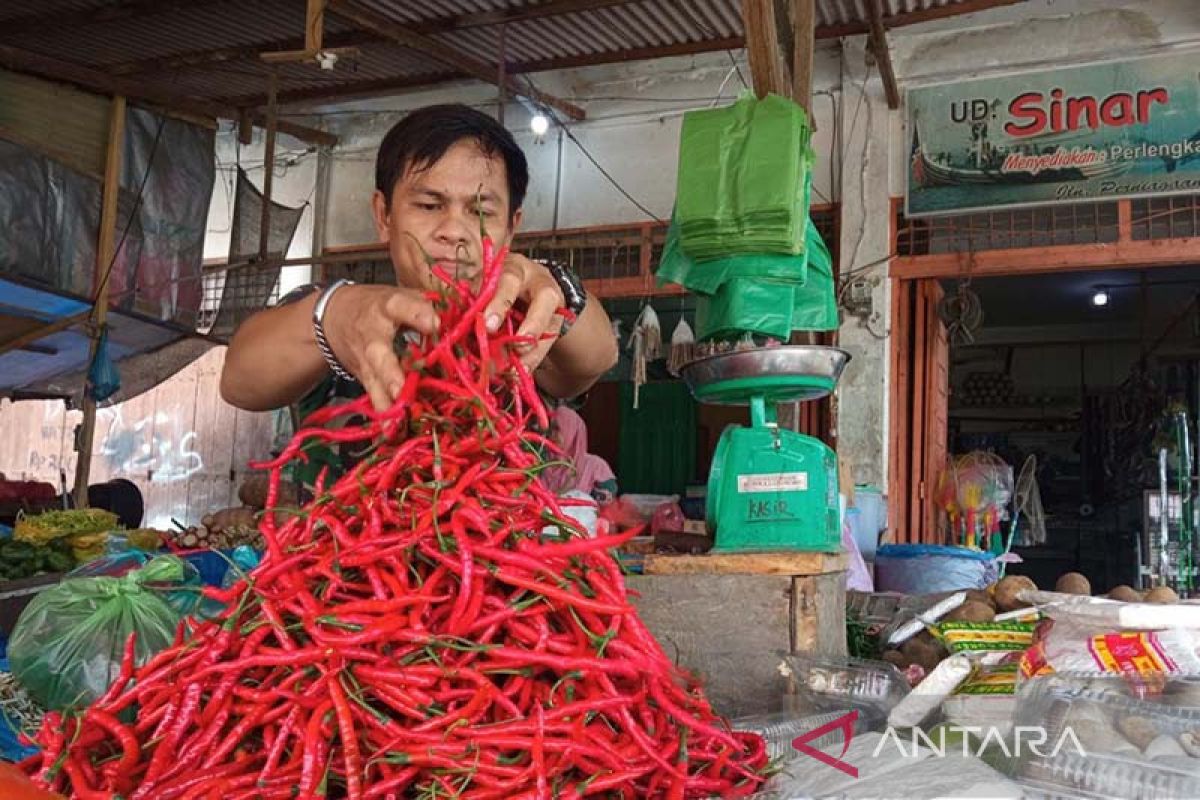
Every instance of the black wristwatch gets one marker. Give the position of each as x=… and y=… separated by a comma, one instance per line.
x=574, y=295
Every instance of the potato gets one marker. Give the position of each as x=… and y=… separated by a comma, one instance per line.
x=253, y=492
x=1161, y=594
x=1125, y=594
x=981, y=596
x=921, y=653
x=1007, y=589
x=1073, y=583
x=972, y=611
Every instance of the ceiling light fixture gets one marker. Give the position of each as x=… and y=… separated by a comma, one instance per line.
x=539, y=124
x=1100, y=298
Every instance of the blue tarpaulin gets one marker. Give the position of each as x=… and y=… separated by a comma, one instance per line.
x=33, y=370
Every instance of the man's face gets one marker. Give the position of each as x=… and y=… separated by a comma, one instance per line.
x=440, y=207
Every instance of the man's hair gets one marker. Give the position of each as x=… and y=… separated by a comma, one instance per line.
x=419, y=140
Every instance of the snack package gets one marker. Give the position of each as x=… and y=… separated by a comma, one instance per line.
x=984, y=637
x=994, y=679
x=1067, y=645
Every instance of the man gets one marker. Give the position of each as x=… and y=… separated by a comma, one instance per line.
x=438, y=171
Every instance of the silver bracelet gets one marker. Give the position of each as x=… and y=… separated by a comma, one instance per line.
x=318, y=320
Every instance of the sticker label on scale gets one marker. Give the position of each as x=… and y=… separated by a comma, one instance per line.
x=773, y=482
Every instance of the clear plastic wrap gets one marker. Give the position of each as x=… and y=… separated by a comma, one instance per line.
x=1101, y=740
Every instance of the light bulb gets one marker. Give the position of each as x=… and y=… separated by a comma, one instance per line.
x=539, y=124
x=1100, y=298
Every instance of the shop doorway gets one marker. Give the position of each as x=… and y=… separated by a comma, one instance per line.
x=1087, y=373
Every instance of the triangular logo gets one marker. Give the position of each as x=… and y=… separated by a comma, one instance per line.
x=845, y=724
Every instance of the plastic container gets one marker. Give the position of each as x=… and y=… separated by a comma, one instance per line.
x=779, y=729
x=926, y=568
x=1101, y=741
x=647, y=504
x=872, y=686
x=867, y=517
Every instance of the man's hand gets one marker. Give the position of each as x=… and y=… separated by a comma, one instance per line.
x=361, y=323
x=532, y=284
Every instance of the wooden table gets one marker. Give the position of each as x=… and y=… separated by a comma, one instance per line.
x=732, y=616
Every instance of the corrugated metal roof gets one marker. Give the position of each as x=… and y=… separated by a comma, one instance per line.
x=112, y=34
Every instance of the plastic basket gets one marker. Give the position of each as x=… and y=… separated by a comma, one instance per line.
x=928, y=569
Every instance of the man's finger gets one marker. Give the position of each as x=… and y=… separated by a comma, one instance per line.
x=538, y=354
x=384, y=369
x=379, y=396
x=409, y=310
x=543, y=307
x=507, y=291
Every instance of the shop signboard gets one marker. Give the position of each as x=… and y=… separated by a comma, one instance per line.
x=1078, y=134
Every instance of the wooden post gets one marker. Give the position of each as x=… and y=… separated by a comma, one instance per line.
x=264, y=228
x=245, y=127
x=319, y=208
x=883, y=58
x=105, y=261
x=768, y=69
x=314, y=25
x=804, y=14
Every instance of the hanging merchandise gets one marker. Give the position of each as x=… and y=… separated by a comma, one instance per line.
x=637, y=347
x=646, y=345
x=683, y=346
x=647, y=321
x=706, y=277
x=745, y=172
x=973, y=492
x=103, y=378
x=768, y=295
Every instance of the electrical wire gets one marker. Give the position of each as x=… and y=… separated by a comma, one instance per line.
x=552, y=114
x=741, y=77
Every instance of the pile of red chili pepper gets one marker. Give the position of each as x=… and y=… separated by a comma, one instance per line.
x=414, y=631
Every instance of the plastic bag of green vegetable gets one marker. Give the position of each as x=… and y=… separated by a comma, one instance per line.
x=67, y=645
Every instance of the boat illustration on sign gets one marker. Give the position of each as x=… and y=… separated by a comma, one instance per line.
x=1043, y=158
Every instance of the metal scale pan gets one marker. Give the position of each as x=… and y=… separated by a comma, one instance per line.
x=783, y=374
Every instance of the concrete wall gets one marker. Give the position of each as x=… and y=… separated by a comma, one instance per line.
x=632, y=131
x=294, y=185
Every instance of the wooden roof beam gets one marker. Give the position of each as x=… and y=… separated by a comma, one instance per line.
x=359, y=38
x=453, y=58
x=69, y=72
x=883, y=57
x=221, y=55
x=385, y=86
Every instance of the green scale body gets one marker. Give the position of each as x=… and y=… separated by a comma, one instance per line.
x=772, y=489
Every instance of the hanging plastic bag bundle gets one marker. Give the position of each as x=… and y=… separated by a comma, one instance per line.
x=68, y=643
x=103, y=378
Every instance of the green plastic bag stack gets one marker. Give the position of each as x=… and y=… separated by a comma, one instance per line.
x=68, y=643
x=741, y=237
x=744, y=177
x=767, y=295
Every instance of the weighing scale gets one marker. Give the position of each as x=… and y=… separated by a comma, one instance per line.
x=770, y=488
